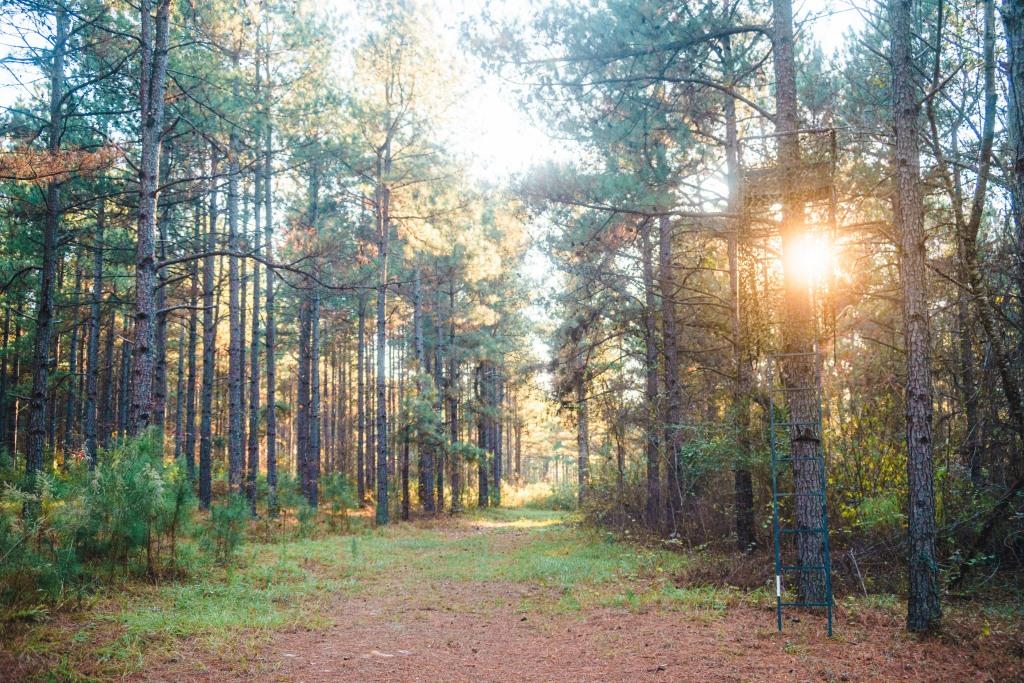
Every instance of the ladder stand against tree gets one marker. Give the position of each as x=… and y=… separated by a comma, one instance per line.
x=786, y=531
x=797, y=454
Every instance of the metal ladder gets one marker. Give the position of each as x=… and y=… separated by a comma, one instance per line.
x=782, y=433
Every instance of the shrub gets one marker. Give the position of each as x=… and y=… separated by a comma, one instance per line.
x=225, y=530
x=339, y=493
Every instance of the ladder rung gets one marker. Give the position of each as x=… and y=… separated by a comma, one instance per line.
x=807, y=604
x=803, y=568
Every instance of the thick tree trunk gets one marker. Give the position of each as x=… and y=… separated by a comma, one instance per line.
x=1013, y=23
x=236, y=335
x=799, y=362
x=41, y=352
x=160, y=330
x=151, y=108
x=923, y=609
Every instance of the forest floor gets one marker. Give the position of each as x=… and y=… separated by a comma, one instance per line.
x=506, y=595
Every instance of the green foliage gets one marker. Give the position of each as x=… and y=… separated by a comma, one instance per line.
x=560, y=496
x=129, y=514
x=338, y=492
x=880, y=513
x=226, y=529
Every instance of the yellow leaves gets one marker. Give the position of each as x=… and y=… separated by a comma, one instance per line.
x=42, y=167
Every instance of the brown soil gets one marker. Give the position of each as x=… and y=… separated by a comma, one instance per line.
x=402, y=630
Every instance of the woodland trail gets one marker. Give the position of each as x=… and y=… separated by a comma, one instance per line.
x=509, y=595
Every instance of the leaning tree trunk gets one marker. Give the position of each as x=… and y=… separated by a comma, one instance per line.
x=1013, y=23
x=923, y=608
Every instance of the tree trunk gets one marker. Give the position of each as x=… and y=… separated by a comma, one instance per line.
x=923, y=609
x=94, y=369
x=151, y=113
x=582, y=439
x=209, y=351
x=193, y=325
x=47, y=274
x=236, y=335
x=742, y=384
x=253, y=465
x=361, y=401
x=673, y=406
x=383, y=233
x=271, y=329
x=313, y=459
x=452, y=392
x=302, y=401
x=799, y=362
x=72, y=397
x=651, y=426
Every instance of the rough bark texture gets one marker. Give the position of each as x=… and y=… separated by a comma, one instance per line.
x=193, y=329
x=93, y=368
x=209, y=353
x=253, y=463
x=799, y=361
x=151, y=107
x=383, y=235
x=271, y=329
x=923, y=609
x=673, y=404
x=361, y=401
x=41, y=352
x=236, y=335
x=582, y=440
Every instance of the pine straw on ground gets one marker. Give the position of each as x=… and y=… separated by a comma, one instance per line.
x=500, y=598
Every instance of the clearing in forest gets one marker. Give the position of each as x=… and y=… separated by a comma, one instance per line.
x=503, y=595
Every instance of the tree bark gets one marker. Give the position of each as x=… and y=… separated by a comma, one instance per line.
x=151, y=111
x=361, y=401
x=93, y=353
x=651, y=426
x=209, y=351
x=923, y=608
x=799, y=360
x=41, y=353
x=673, y=405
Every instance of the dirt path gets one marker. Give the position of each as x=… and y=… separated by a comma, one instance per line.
x=404, y=626
x=509, y=595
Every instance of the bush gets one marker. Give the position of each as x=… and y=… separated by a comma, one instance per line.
x=225, y=530
x=128, y=514
x=339, y=493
